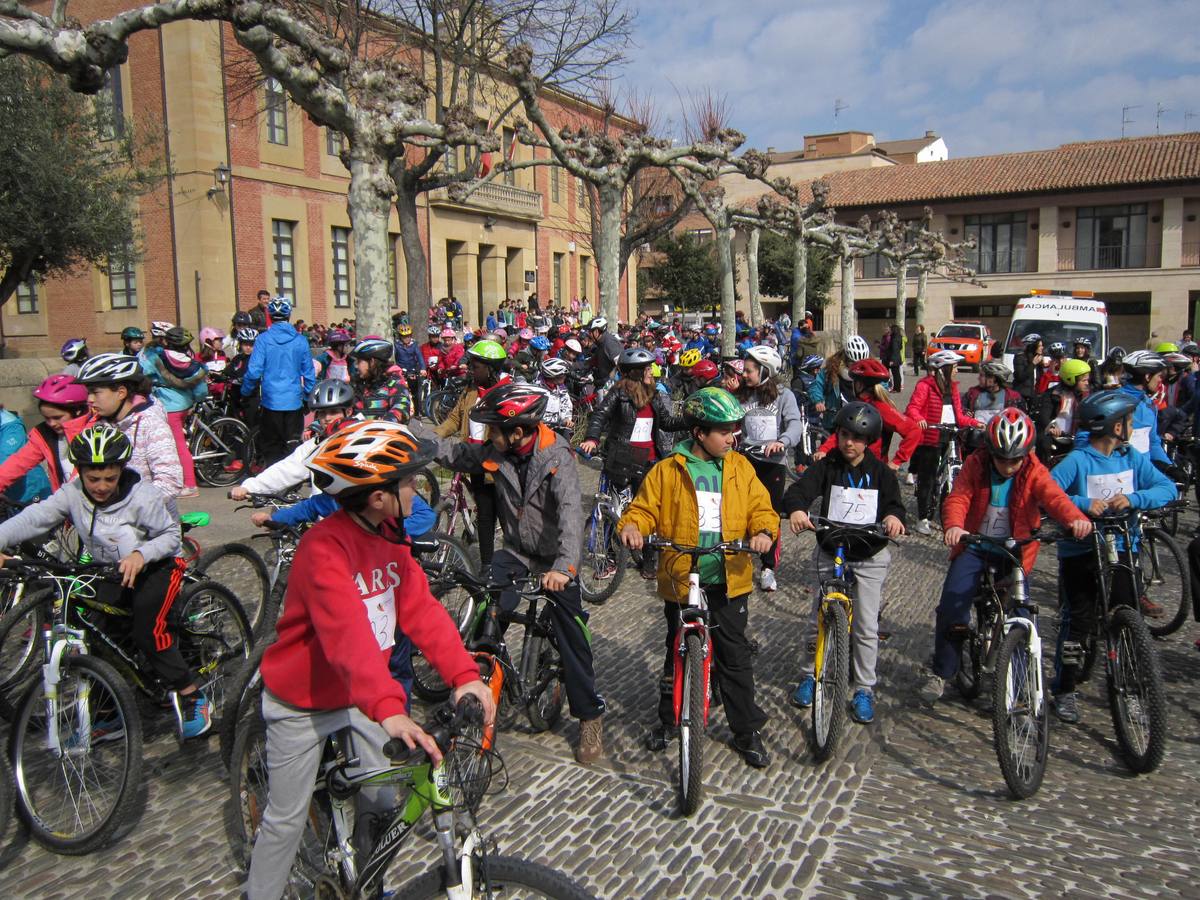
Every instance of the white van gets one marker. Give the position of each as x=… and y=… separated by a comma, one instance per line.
x=1058, y=317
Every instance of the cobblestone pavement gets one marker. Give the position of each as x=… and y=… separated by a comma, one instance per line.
x=913, y=805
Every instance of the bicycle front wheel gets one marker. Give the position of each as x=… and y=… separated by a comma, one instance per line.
x=214, y=640
x=240, y=568
x=691, y=726
x=221, y=454
x=1165, y=581
x=74, y=800
x=21, y=650
x=428, y=487
x=1135, y=692
x=245, y=690
x=604, y=559
x=440, y=404
x=501, y=876
x=1020, y=723
x=832, y=674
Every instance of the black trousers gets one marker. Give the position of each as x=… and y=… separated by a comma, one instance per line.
x=279, y=431
x=570, y=629
x=1079, y=577
x=153, y=594
x=923, y=465
x=733, y=664
x=484, y=492
x=774, y=478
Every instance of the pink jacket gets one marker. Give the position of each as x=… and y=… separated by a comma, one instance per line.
x=926, y=403
x=154, y=455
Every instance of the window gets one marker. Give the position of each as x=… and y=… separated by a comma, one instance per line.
x=558, y=279
x=282, y=234
x=1000, y=240
x=110, y=106
x=509, y=142
x=393, y=283
x=27, y=297
x=877, y=266
x=122, y=280
x=582, y=199
x=335, y=141
x=341, y=267
x=585, y=275
x=555, y=178
x=701, y=234
x=1112, y=237
x=277, y=125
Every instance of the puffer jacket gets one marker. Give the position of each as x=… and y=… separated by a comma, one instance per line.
x=666, y=505
x=176, y=393
x=32, y=484
x=615, y=418
x=41, y=447
x=155, y=457
x=282, y=362
x=926, y=403
x=387, y=398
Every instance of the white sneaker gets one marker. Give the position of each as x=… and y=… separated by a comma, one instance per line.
x=910, y=479
x=766, y=580
x=923, y=527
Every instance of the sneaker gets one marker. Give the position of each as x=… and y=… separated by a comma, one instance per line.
x=931, y=687
x=1150, y=609
x=189, y=492
x=923, y=527
x=766, y=580
x=193, y=713
x=108, y=730
x=236, y=466
x=910, y=478
x=591, y=742
x=862, y=706
x=659, y=737
x=802, y=696
x=751, y=747
x=1067, y=707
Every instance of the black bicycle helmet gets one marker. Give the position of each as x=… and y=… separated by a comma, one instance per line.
x=511, y=404
x=100, y=445
x=860, y=419
x=332, y=393
x=242, y=320
x=634, y=358
x=373, y=348
x=133, y=333
x=177, y=338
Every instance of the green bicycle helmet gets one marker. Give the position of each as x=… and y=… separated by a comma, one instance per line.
x=489, y=352
x=133, y=333
x=100, y=445
x=712, y=406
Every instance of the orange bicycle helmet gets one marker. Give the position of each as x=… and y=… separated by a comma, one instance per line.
x=368, y=455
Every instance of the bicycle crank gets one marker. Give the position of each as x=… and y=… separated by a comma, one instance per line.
x=326, y=887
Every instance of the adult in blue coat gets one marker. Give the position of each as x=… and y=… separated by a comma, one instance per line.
x=282, y=363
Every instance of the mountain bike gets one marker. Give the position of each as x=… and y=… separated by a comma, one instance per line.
x=1165, y=579
x=327, y=864
x=950, y=464
x=1181, y=452
x=445, y=398
x=604, y=560
x=693, y=667
x=456, y=511
x=1003, y=641
x=76, y=739
x=217, y=443
x=812, y=436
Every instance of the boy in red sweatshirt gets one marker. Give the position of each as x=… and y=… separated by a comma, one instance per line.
x=354, y=579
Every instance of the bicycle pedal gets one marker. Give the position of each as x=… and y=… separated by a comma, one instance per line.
x=1072, y=653
x=959, y=632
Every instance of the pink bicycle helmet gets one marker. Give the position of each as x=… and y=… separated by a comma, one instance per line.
x=449, y=333
x=525, y=334
x=61, y=390
x=208, y=334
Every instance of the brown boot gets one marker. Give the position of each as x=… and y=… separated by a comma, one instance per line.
x=591, y=744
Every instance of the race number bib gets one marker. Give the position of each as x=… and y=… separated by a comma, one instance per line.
x=643, y=430
x=431, y=362
x=381, y=610
x=1105, y=487
x=215, y=365
x=1140, y=440
x=710, y=511
x=996, y=522
x=853, y=506
x=1063, y=423
x=948, y=414
x=983, y=416
x=760, y=429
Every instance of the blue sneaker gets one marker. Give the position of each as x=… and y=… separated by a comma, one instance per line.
x=802, y=696
x=862, y=707
x=194, y=713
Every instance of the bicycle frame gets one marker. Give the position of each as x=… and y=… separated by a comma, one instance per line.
x=456, y=505
x=833, y=590
x=693, y=619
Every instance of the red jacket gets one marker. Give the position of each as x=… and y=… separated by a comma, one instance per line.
x=1033, y=489
x=428, y=351
x=347, y=591
x=893, y=419
x=450, y=360
x=926, y=403
x=41, y=448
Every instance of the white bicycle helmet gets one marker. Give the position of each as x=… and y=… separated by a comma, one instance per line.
x=1144, y=361
x=944, y=358
x=574, y=345
x=598, y=324
x=767, y=358
x=856, y=348
x=109, y=368
x=555, y=367
x=160, y=329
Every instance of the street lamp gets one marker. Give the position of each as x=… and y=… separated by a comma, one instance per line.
x=220, y=178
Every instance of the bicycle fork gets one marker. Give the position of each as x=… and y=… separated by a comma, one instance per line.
x=692, y=622
x=51, y=676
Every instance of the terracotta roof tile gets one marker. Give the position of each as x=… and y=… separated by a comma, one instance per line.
x=1092, y=164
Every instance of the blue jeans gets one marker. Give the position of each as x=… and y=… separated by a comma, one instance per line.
x=401, y=667
x=958, y=594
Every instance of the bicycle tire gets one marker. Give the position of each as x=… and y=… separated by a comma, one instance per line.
x=461, y=602
x=832, y=681
x=211, y=459
x=252, y=587
x=452, y=554
x=1161, y=552
x=441, y=402
x=602, y=550
x=8, y=798
x=246, y=687
x=34, y=763
x=691, y=726
x=1133, y=659
x=428, y=487
x=544, y=680
x=214, y=639
x=21, y=650
x=1021, y=738
x=498, y=875
x=969, y=677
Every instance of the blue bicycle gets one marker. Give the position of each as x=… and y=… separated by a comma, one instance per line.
x=604, y=558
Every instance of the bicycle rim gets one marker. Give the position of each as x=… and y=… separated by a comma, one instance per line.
x=832, y=676
x=1166, y=581
x=1135, y=693
x=214, y=640
x=691, y=727
x=1020, y=724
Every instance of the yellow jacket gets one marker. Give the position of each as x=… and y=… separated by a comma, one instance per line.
x=666, y=505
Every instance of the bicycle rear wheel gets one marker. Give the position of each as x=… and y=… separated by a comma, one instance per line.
x=1135, y=692
x=461, y=603
x=217, y=452
x=691, y=726
x=240, y=568
x=245, y=690
x=544, y=679
x=75, y=801
x=1165, y=581
x=1020, y=724
x=428, y=487
x=604, y=559
x=500, y=876
x=21, y=650
x=972, y=652
x=214, y=639
x=832, y=674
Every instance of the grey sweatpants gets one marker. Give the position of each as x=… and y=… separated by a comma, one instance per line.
x=295, y=739
x=864, y=630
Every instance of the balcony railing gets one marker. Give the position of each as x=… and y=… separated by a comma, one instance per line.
x=995, y=262
x=1190, y=255
x=502, y=199
x=1129, y=256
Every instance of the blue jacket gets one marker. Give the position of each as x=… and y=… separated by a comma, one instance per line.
x=702, y=344
x=409, y=358
x=828, y=390
x=283, y=363
x=33, y=485
x=168, y=389
x=1145, y=416
x=491, y=322
x=319, y=505
x=1152, y=488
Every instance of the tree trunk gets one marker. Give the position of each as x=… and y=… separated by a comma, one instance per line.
x=901, y=291
x=756, y=313
x=728, y=295
x=608, y=254
x=799, y=278
x=415, y=261
x=369, y=202
x=922, y=283
x=847, y=298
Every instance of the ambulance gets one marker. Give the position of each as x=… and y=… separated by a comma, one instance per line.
x=1058, y=317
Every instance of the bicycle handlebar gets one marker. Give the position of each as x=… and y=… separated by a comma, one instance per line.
x=448, y=723
x=260, y=501
x=875, y=529
x=25, y=564
x=723, y=547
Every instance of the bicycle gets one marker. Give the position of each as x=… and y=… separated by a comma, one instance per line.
x=326, y=863
x=951, y=461
x=693, y=666
x=440, y=402
x=80, y=720
x=812, y=436
x=1003, y=641
x=456, y=513
x=604, y=560
x=1165, y=578
x=217, y=443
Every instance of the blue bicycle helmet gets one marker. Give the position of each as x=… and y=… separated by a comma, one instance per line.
x=1103, y=409
x=540, y=343
x=811, y=362
x=280, y=308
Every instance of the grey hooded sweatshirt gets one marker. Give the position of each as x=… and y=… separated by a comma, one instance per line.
x=135, y=519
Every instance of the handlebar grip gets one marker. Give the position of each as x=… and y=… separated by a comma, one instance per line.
x=401, y=754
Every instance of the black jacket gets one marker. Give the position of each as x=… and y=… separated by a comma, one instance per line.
x=614, y=418
x=832, y=471
x=1025, y=376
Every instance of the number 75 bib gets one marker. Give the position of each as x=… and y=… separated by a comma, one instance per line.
x=854, y=506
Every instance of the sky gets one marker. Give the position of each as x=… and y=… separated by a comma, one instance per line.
x=989, y=77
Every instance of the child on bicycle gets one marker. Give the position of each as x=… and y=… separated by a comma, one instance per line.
x=353, y=580
x=124, y=521
x=999, y=493
x=857, y=488
x=1108, y=475
x=704, y=493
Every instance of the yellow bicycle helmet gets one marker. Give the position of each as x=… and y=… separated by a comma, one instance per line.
x=689, y=358
x=1071, y=370
x=1166, y=347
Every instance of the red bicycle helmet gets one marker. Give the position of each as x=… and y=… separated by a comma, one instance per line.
x=511, y=405
x=870, y=370
x=61, y=390
x=705, y=370
x=1010, y=434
